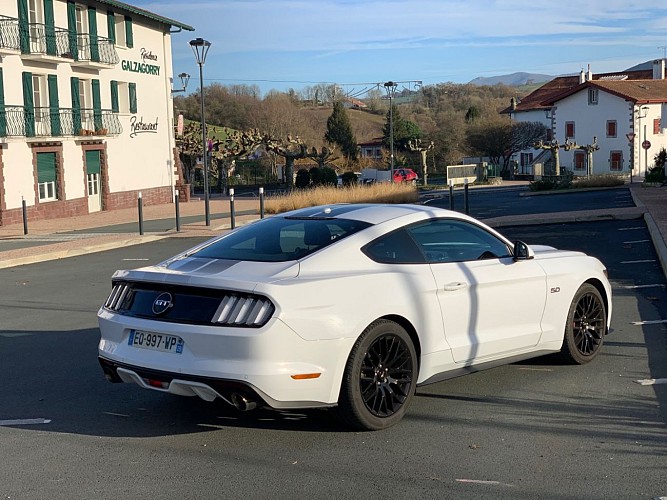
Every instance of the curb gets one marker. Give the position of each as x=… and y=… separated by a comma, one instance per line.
x=658, y=241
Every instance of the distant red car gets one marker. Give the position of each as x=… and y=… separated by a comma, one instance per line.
x=405, y=175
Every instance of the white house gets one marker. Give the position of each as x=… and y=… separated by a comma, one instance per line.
x=618, y=114
x=86, y=115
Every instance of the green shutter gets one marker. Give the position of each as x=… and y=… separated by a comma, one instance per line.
x=97, y=104
x=129, y=38
x=76, y=106
x=93, y=162
x=28, y=105
x=133, y=97
x=114, y=97
x=92, y=33
x=46, y=167
x=24, y=28
x=3, y=114
x=50, y=26
x=111, y=26
x=71, y=30
x=54, y=105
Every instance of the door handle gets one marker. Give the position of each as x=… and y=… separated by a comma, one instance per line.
x=456, y=285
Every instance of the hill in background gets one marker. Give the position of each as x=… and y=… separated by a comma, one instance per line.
x=513, y=80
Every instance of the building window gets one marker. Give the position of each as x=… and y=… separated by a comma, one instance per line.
x=616, y=160
x=119, y=21
x=611, y=128
x=593, y=96
x=525, y=161
x=656, y=126
x=39, y=97
x=569, y=130
x=46, y=176
x=579, y=160
x=550, y=135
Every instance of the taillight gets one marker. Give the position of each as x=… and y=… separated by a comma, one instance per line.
x=243, y=310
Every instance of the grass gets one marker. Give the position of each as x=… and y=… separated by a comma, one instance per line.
x=375, y=193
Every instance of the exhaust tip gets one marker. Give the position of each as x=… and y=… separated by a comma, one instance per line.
x=242, y=403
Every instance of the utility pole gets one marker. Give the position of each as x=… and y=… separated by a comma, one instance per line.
x=390, y=87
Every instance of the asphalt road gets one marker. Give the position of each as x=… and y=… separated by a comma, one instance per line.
x=536, y=429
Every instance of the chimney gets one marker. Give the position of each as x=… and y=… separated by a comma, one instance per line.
x=589, y=74
x=659, y=69
x=513, y=103
x=582, y=76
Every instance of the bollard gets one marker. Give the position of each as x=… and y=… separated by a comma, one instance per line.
x=466, y=205
x=140, y=206
x=231, y=207
x=451, y=194
x=178, y=213
x=25, y=215
x=261, y=203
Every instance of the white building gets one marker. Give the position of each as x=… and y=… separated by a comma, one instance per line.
x=86, y=109
x=621, y=113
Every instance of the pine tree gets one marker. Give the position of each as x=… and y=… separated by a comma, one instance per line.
x=339, y=132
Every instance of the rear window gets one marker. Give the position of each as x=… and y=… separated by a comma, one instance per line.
x=279, y=239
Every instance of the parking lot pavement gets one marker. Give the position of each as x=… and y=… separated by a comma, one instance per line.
x=60, y=238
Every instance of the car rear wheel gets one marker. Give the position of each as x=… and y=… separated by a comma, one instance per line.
x=380, y=377
x=586, y=326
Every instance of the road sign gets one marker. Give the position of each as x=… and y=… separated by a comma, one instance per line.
x=646, y=144
x=630, y=136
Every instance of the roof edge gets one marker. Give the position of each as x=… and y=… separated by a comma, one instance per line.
x=147, y=14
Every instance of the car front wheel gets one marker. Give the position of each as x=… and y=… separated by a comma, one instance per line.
x=586, y=326
x=380, y=377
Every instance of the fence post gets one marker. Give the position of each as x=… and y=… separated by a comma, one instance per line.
x=466, y=205
x=25, y=215
x=231, y=207
x=140, y=206
x=451, y=194
x=178, y=212
x=261, y=202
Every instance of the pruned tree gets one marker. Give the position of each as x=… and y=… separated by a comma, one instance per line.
x=422, y=148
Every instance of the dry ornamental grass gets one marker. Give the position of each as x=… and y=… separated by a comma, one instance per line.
x=374, y=193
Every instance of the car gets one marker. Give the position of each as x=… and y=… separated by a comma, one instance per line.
x=405, y=175
x=349, y=307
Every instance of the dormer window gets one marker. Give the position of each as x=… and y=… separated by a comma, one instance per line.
x=593, y=96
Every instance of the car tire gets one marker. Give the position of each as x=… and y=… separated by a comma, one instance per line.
x=586, y=326
x=380, y=377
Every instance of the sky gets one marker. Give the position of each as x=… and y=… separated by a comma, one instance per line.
x=283, y=44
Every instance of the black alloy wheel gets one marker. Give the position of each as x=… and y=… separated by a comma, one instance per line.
x=586, y=326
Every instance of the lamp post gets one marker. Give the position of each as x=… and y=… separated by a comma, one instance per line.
x=185, y=78
x=200, y=48
x=639, y=128
x=645, y=110
x=391, y=88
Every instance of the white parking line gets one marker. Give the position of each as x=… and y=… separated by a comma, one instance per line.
x=25, y=421
x=636, y=241
x=652, y=381
x=637, y=261
x=481, y=481
x=649, y=322
x=135, y=259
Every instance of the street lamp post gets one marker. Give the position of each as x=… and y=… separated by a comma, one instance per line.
x=200, y=48
x=639, y=156
x=391, y=88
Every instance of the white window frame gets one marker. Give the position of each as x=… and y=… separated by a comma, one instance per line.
x=593, y=96
x=119, y=21
x=123, y=98
x=47, y=191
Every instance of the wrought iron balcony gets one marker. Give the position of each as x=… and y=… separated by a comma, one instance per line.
x=17, y=121
x=9, y=33
x=36, y=39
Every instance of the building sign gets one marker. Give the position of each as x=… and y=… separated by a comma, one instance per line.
x=139, y=126
x=142, y=67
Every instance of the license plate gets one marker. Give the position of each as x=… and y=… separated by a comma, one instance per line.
x=156, y=341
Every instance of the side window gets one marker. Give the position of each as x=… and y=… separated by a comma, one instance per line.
x=447, y=240
x=394, y=248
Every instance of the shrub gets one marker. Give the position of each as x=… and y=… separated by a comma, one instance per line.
x=657, y=172
x=349, y=179
x=315, y=176
x=550, y=182
x=328, y=177
x=302, y=178
x=603, y=180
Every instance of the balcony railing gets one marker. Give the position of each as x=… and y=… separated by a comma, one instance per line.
x=35, y=38
x=9, y=33
x=17, y=121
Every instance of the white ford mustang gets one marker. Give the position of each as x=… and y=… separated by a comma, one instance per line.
x=348, y=306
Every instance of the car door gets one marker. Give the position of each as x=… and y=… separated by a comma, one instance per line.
x=491, y=305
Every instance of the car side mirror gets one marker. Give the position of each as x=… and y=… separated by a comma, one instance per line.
x=523, y=251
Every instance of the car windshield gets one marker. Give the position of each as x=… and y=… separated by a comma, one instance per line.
x=279, y=239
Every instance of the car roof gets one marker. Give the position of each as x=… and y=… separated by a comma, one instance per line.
x=372, y=213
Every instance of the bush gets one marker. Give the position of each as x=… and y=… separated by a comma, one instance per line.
x=349, y=179
x=328, y=177
x=550, y=182
x=315, y=176
x=302, y=178
x=603, y=180
x=657, y=172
